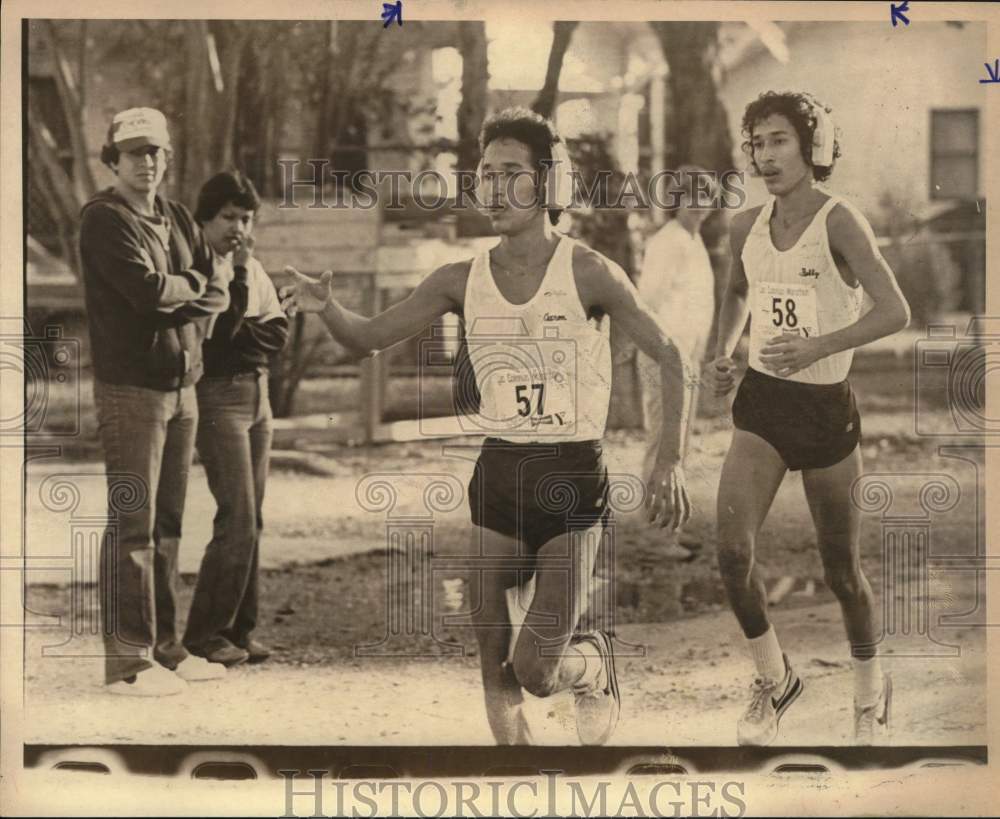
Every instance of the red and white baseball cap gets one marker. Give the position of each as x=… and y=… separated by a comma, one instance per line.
x=138, y=127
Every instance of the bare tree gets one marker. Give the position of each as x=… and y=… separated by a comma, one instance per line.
x=697, y=125
x=214, y=55
x=562, y=33
x=475, y=90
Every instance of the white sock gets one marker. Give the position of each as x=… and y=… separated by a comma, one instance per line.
x=767, y=655
x=867, y=681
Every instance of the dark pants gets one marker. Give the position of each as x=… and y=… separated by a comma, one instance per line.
x=148, y=439
x=234, y=442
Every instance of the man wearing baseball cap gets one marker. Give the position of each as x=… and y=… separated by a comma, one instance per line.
x=152, y=285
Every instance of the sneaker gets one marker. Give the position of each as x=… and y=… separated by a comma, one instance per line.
x=221, y=652
x=151, y=682
x=872, y=723
x=759, y=724
x=198, y=669
x=256, y=652
x=598, y=707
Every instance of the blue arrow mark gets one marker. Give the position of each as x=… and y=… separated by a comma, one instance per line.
x=897, y=13
x=993, y=71
x=392, y=11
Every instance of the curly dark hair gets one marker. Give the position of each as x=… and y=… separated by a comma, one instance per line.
x=798, y=109
x=529, y=128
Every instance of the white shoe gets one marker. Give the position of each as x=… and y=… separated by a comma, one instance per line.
x=871, y=724
x=598, y=707
x=198, y=669
x=152, y=682
x=770, y=699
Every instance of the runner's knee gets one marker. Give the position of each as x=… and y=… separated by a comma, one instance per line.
x=846, y=582
x=736, y=559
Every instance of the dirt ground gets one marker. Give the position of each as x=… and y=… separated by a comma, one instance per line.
x=683, y=670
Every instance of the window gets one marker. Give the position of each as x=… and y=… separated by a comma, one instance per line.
x=955, y=154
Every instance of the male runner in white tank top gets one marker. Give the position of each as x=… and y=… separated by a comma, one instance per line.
x=801, y=266
x=536, y=308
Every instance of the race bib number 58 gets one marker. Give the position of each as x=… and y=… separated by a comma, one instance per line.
x=783, y=309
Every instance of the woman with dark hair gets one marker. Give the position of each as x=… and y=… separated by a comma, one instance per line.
x=803, y=267
x=234, y=430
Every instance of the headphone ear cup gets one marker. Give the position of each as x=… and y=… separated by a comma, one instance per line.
x=823, y=136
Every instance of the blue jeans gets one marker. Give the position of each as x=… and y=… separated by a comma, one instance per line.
x=148, y=438
x=234, y=442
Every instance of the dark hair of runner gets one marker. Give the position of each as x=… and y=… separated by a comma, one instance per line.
x=228, y=187
x=800, y=110
x=529, y=128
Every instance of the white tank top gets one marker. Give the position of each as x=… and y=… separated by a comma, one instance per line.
x=799, y=290
x=543, y=368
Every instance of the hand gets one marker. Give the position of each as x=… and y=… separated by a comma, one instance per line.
x=667, y=501
x=720, y=373
x=306, y=294
x=787, y=354
x=243, y=252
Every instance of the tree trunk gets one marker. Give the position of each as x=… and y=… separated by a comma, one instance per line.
x=475, y=91
x=231, y=39
x=196, y=128
x=327, y=84
x=697, y=125
x=562, y=33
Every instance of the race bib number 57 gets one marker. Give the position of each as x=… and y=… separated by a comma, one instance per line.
x=531, y=399
x=783, y=309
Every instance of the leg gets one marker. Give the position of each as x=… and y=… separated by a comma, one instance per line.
x=838, y=529
x=178, y=450
x=491, y=620
x=544, y=659
x=261, y=434
x=225, y=450
x=751, y=475
x=132, y=425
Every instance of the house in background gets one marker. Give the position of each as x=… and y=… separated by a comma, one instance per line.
x=909, y=110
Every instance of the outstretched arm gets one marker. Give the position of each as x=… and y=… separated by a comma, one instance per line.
x=851, y=239
x=603, y=284
x=441, y=292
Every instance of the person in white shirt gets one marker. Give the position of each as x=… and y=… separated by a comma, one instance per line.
x=678, y=284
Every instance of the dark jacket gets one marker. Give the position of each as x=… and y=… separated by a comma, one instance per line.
x=148, y=308
x=239, y=343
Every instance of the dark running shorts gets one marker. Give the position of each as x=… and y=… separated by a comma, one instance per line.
x=812, y=426
x=535, y=492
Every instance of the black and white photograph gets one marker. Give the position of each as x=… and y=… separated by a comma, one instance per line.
x=427, y=408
